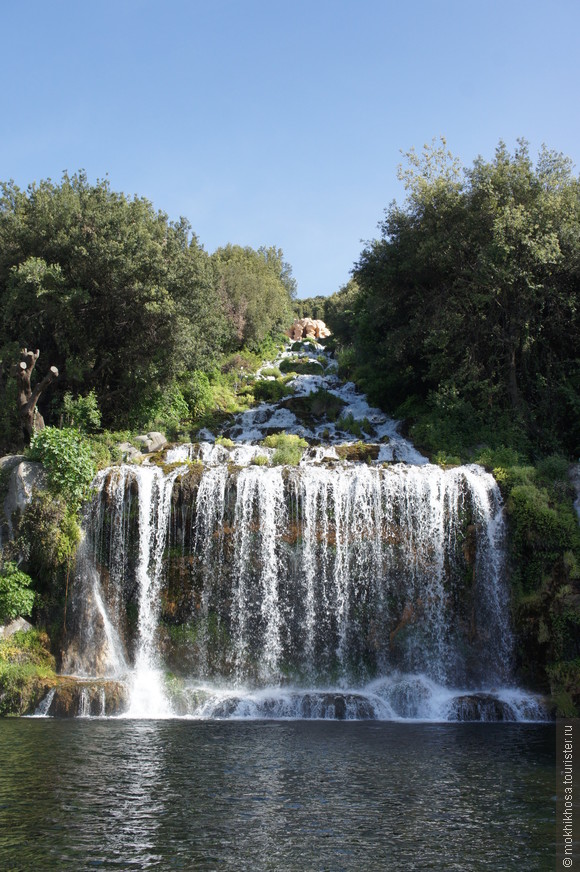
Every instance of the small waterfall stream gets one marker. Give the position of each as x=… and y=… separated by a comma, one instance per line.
x=216, y=587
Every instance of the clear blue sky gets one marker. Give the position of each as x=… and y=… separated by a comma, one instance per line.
x=279, y=122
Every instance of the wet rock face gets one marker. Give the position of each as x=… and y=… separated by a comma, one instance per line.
x=76, y=698
x=480, y=707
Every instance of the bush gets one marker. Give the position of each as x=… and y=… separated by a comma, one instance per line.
x=83, y=413
x=289, y=448
x=350, y=424
x=260, y=460
x=15, y=597
x=68, y=461
x=271, y=391
x=223, y=440
x=197, y=393
x=172, y=411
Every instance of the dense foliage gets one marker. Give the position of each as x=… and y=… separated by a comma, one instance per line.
x=468, y=304
x=15, y=597
x=125, y=303
x=255, y=289
x=68, y=460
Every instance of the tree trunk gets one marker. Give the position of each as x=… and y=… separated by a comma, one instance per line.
x=32, y=420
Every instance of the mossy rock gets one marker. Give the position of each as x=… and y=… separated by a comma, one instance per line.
x=321, y=405
x=94, y=697
x=358, y=452
x=301, y=366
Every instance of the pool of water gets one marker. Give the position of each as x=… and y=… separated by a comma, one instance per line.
x=293, y=795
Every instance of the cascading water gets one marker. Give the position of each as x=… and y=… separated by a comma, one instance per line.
x=330, y=589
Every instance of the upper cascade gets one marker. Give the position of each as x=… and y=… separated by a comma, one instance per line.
x=224, y=579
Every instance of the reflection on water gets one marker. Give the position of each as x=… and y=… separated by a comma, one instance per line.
x=78, y=795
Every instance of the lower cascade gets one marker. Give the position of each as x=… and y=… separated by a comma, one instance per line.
x=324, y=590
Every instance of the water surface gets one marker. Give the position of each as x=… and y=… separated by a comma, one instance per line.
x=296, y=795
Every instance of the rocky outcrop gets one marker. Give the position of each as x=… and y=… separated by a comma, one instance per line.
x=72, y=698
x=15, y=626
x=129, y=453
x=151, y=442
x=308, y=327
x=24, y=477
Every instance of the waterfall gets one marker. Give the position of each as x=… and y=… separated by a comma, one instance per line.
x=219, y=585
x=314, y=574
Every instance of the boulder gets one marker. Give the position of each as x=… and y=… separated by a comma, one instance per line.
x=480, y=707
x=26, y=475
x=128, y=451
x=151, y=442
x=75, y=697
x=14, y=627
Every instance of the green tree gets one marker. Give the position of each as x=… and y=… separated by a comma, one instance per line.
x=119, y=298
x=256, y=289
x=469, y=301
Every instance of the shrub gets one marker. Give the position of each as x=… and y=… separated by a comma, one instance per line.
x=49, y=534
x=68, y=461
x=223, y=440
x=350, y=424
x=82, y=413
x=271, y=371
x=271, y=391
x=197, y=393
x=260, y=460
x=15, y=597
x=289, y=448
